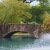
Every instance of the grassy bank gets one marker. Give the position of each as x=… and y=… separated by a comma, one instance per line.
x=21, y=34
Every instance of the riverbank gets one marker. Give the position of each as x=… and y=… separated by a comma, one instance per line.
x=22, y=35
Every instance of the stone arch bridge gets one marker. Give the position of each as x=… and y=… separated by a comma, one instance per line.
x=7, y=30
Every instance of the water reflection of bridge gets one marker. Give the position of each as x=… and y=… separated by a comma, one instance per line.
x=7, y=30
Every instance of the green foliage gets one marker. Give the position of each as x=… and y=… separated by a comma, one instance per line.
x=33, y=23
x=46, y=23
x=14, y=11
x=43, y=1
x=17, y=11
x=37, y=12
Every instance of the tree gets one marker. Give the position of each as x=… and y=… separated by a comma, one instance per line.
x=46, y=23
x=15, y=11
x=37, y=12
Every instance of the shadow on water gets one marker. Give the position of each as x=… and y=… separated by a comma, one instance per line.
x=17, y=42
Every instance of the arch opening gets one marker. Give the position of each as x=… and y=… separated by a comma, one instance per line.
x=16, y=34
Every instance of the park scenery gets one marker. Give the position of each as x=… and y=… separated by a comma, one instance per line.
x=24, y=24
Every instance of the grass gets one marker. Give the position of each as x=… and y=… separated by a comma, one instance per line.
x=20, y=34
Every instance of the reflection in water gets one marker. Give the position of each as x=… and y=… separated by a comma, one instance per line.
x=42, y=43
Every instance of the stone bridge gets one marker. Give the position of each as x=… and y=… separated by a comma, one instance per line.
x=7, y=30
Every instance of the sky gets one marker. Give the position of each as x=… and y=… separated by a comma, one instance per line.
x=34, y=3
x=0, y=0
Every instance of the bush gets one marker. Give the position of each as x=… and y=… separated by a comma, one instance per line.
x=33, y=23
x=46, y=24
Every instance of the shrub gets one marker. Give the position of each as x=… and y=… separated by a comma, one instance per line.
x=46, y=24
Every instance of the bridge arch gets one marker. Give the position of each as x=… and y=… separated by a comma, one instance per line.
x=9, y=34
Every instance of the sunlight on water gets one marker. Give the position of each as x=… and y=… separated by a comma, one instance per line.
x=42, y=43
x=40, y=48
x=46, y=36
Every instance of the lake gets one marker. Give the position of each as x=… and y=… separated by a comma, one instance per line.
x=25, y=43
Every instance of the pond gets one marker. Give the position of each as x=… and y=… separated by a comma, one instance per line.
x=18, y=43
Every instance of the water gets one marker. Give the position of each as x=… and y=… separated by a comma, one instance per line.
x=42, y=43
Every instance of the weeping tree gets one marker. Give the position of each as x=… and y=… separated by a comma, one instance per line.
x=13, y=11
